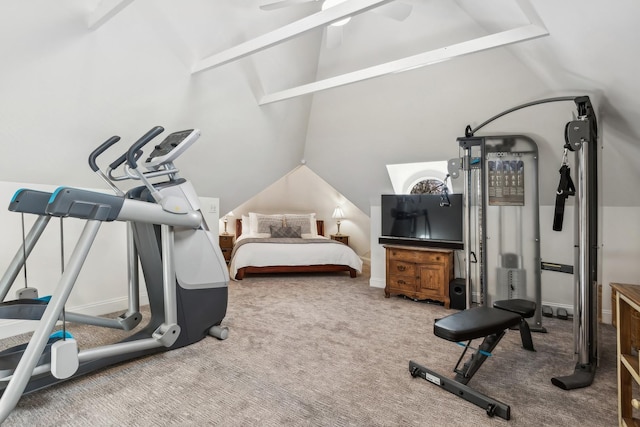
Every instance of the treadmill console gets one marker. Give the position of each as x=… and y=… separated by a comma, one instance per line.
x=171, y=147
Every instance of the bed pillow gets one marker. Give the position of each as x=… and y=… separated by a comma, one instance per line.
x=285, y=231
x=246, y=225
x=260, y=223
x=306, y=222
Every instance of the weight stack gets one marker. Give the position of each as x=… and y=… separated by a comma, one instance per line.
x=458, y=294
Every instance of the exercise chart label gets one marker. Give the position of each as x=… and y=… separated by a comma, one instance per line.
x=506, y=180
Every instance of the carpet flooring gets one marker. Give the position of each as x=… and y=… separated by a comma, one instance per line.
x=325, y=350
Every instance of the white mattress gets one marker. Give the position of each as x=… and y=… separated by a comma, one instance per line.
x=271, y=254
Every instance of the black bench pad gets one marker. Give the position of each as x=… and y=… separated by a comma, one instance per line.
x=477, y=322
x=523, y=307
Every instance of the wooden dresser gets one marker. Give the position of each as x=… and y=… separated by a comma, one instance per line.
x=419, y=273
x=628, y=307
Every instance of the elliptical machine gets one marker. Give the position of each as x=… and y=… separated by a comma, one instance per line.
x=184, y=270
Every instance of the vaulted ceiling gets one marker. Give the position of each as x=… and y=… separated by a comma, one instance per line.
x=76, y=72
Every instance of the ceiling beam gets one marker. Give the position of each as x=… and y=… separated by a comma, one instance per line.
x=480, y=44
x=533, y=30
x=530, y=13
x=106, y=10
x=289, y=31
x=279, y=4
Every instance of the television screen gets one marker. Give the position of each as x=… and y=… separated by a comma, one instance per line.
x=432, y=218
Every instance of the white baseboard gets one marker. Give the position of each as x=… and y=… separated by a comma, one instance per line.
x=606, y=314
x=9, y=328
x=377, y=283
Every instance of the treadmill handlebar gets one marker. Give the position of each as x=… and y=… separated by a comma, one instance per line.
x=146, y=138
x=101, y=149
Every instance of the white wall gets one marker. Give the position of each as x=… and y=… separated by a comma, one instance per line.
x=378, y=260
x=415, y=116
x=66, y=89
x=620, y=250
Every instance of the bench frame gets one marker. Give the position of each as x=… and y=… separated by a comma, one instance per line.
x=452, y=328
x=492, y=406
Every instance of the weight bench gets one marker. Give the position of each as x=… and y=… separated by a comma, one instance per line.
x=525, y=309
x=478, y=322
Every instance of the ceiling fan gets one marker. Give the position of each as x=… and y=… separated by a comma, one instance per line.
x=333, y=32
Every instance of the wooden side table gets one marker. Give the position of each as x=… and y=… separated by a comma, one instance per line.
x=226, y=245
x=342, y=238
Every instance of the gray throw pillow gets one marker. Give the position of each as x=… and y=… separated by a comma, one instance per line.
x=285, y=231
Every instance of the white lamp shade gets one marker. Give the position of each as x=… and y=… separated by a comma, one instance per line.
x=337, y=213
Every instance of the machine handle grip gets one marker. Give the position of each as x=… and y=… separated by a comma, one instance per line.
x=101, y=149
x=131, y=154
x=120, y=160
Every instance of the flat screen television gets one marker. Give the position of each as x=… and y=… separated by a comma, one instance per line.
x=431, y=220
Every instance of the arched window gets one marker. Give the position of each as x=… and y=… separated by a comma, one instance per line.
x=420, y=178
x=427, y=186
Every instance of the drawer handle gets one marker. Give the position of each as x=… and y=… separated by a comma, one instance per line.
x=401, y=282
x=401, y=268
x=635, y=403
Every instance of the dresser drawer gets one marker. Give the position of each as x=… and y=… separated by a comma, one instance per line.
x=401, y=268
x=416, y=256
x=402, y=284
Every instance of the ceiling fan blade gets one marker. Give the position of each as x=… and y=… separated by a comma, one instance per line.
x=272, y=5
x=333, y=36
x=395, y=10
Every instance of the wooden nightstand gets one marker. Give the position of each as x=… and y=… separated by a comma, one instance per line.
x=226, y=244
x=342, y=238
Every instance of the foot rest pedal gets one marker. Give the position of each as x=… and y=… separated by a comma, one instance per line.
x=64, y=356
x=27, y=293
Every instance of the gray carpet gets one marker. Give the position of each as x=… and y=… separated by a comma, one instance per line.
x=325, y=350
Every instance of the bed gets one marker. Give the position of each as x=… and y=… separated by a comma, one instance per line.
x=308, y=251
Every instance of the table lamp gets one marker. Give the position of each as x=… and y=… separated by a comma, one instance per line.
x=338, y=215
x=225, y=220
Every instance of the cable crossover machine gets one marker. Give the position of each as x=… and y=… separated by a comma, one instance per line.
x=502, y=249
